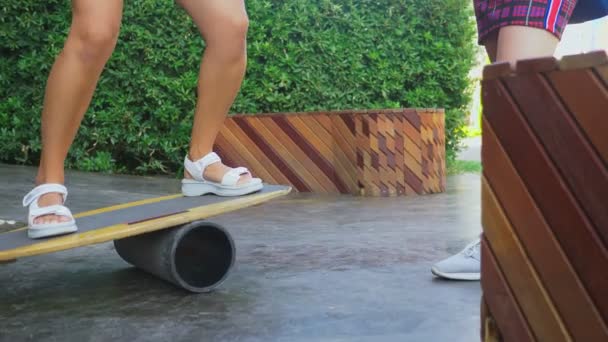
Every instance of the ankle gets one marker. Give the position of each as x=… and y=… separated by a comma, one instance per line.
x=44, y=180
x=197, y=153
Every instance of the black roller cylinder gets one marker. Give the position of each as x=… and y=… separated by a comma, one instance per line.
x=196, y=256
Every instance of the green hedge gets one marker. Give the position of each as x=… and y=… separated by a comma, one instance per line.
x=303, y=55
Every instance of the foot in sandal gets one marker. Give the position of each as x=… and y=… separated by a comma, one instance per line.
x=209, y=176
x=47, y=214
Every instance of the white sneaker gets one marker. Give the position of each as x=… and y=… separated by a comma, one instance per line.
x=465, y=265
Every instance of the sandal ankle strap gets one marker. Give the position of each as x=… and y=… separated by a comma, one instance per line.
x=45, y=189
x=196, y=168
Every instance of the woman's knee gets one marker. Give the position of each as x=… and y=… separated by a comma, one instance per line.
x=238, y=25
x=95, y=40
x=231, y=40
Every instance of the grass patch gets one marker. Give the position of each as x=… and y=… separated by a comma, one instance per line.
x=472, y=132
x=457, y=167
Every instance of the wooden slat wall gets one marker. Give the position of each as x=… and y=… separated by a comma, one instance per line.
x=374, y=153
x=545, y=200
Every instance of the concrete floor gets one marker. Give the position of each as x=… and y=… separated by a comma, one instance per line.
x=309, y=268
x=471, y=150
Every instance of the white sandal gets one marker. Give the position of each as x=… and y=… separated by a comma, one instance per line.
x=227, y=187
x=41, y=230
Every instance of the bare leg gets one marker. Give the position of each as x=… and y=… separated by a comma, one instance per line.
x=70, y=87
x=223, y=24
x=519, y=42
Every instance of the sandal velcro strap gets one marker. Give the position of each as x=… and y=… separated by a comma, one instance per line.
x=232, y=177
x=57, y=210
x=44, y=189
x=196, y=168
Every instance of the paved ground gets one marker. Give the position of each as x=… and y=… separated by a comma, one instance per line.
x=471, y=149
x=309, y=268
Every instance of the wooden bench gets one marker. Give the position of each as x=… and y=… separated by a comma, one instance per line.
x=545, y=200
x=375, y=152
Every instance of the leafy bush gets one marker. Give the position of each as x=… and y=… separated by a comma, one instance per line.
x=303, y=55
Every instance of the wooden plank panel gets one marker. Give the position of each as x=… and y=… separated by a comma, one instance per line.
x=497, y=70
x=536, y=65
x=337, y=147
x=266, y=157
x=602, y=72
x=435, y=148
x=297, y=163
x=293, y=127
x=317, y=137
x=337, y=143
x=241, y=155
x=583, y=61
x=344, y=138
x=413, y=165
x=325, y=143
x=521, y=276
x=381, y=123
x=567, y=292
x=402, y=187
x=399, y=142
x=412, y=180
x=587, y=99
x=412, y=154
x=350, y=120
x=323, y=184
x=399, y=153
x=412, y=133
x=388, y=127
x=341, y=150
x=500, y=300
x=565, y=144
x=326, y=121
x=390, y=142
x=229, y=155
x=415, y=151
x=363, y=148
x=412, y=116
x=489, y=329
x=408, y=187
x=574, y=232
x=372, y=180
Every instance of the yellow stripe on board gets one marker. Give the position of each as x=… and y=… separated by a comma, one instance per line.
x=126, y=205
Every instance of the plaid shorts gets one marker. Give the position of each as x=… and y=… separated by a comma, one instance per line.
x=550, y=15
